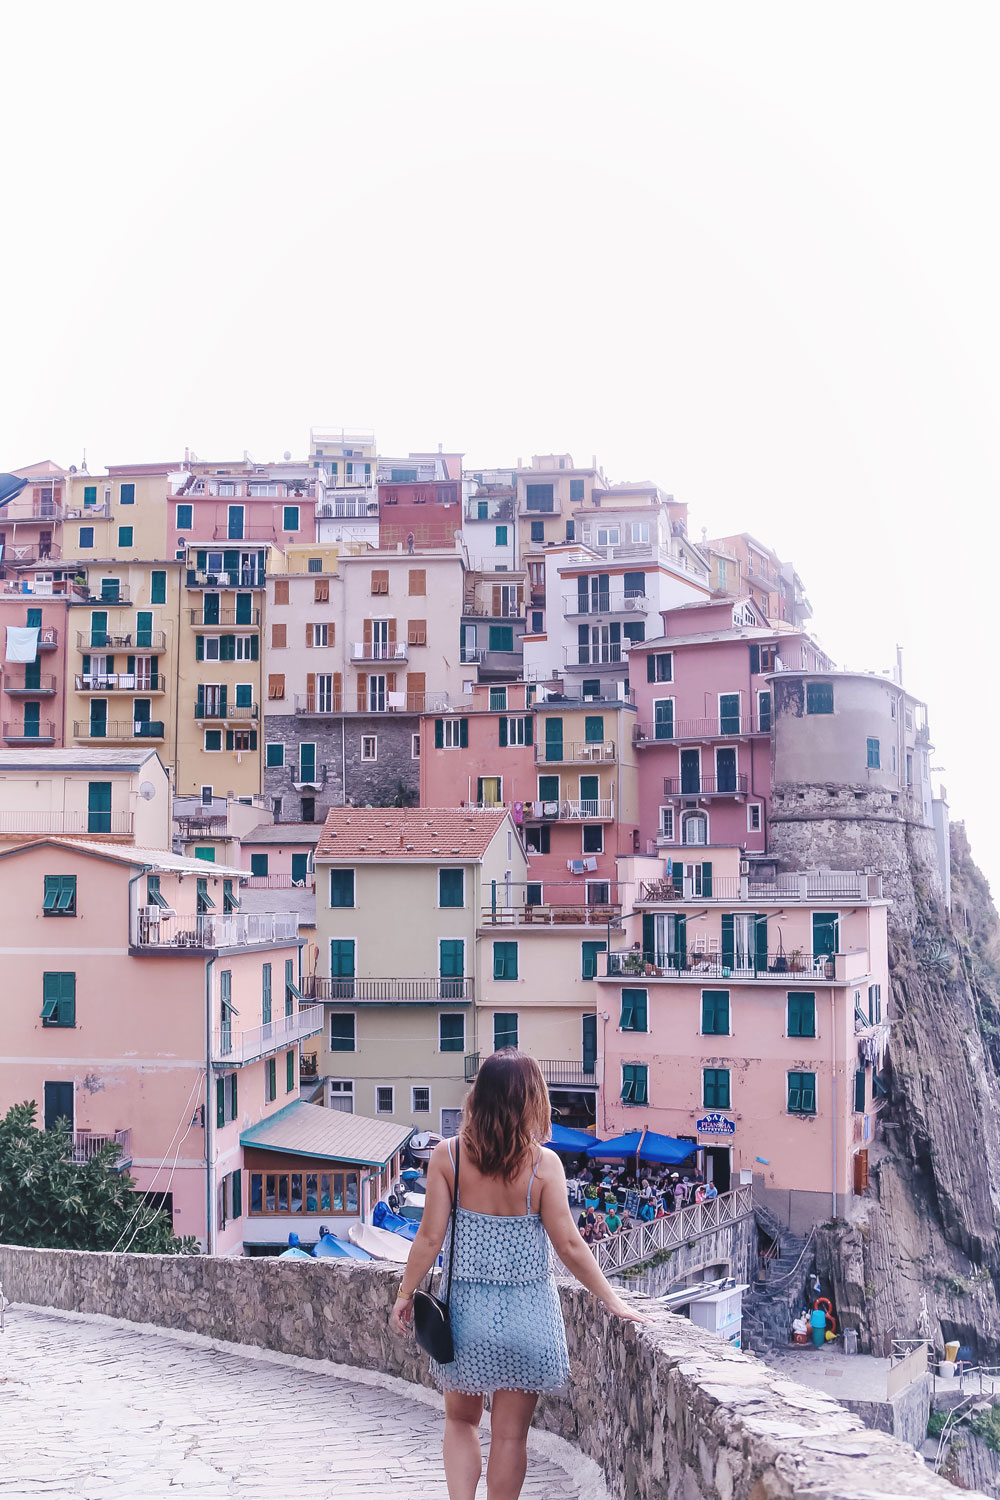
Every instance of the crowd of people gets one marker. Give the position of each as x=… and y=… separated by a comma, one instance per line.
x=602, y=1193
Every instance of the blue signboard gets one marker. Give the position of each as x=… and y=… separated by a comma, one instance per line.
x=715, y=1124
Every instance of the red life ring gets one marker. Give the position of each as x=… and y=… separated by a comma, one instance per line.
x=826, y=1304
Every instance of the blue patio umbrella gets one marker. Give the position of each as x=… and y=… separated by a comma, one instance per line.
x=575, y=1142
x=646, y=1145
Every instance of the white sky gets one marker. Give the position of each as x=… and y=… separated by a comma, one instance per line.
x=747, y=250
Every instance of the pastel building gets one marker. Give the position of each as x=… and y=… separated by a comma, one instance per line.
x=400, y=897
x=748, y=1018
x=743, y=567
x=420, y=501
x=106, y=794
x=702, y=691
x=150, y=1012
x=33, y=681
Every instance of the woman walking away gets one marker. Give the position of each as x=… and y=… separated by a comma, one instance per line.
x=505, y=1312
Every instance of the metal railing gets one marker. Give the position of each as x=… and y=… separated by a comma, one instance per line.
x=88, y=1143
x=729, y=726
x=251, y=531
x=471, y=654
x=225, y=617
x=216, y=710
x=20, y=555
x=350, y=508
x=486, y=508
x=558, y=1072
x=123, y=596
x=118, y=729
x=552, y=914
x=118, y=682
x=43, y=730
x=378, y=651
x=229, y=1047
x=340, y=703
x=605, y=604
x=786, y=968
x=630, y=1247
x=816, y=885
x=486, y=611
x=99, y=512
x=548, y=753
x=66, y=823
x=317, y=987
x=212, y=930
x=604, y=654
x=45, y=686
x=734, y=785
x=116, y=640
x=48, y=638
x=284, y=882
x=241, y=578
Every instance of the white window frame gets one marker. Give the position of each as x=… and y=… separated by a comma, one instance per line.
x=217, y=749
x=426, y=1088
x=465, y=1029
x=298, y=518
x=452, y=733
x=589, y=853
x=243, y=648
x=340, y=1088
x=699, y=812
x=640, y=532
x=668, y=824
x=340, y=1052
x=515, y=731
x=597, y=881
x=414, y=747
x=715, y=758
x=758, y=808
x=392, y=1094
x=212, y=648
x=320, y=627
x=538, y=796
x=207, y=801
x=611, y=536
x=369, y=739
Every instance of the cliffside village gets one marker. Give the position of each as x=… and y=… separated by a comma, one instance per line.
x=320, y=780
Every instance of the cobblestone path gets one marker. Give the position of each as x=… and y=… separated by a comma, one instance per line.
x=103, y=1411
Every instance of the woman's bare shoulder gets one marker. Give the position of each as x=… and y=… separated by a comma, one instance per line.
x=550, y=1167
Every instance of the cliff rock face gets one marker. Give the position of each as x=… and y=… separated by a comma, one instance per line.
x=921, y=1255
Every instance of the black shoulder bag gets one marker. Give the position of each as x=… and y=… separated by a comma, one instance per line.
x=431, y=1315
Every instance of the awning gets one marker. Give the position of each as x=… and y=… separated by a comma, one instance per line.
x=664, y=1149
x=563, y=1139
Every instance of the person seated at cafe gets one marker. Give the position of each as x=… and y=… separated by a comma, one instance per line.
x=600, y=1229
x=646, y=1190
x=647, y=1212
x=711, y=1191
x=612, y=1222
x=661, y=1212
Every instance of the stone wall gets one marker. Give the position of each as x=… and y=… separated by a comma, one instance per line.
x=731, y=1251
x=348, y=778
x=663, y=1410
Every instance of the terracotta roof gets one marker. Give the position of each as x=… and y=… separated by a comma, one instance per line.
x=412, y=833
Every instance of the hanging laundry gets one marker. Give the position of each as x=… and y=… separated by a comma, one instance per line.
x=22, y=643
x=517, y=812
x=590, y=863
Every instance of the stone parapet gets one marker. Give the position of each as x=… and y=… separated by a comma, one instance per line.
x=662, y=1409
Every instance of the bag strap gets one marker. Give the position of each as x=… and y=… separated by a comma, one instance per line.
x=454, y=1216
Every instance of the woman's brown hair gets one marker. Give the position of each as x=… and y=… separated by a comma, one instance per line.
x=506, y=1111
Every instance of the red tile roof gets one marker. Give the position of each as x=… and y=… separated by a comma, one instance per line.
x=408, y=833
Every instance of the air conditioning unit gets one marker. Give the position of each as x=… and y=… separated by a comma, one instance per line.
x=150, y=913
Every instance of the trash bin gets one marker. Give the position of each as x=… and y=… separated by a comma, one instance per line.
x=850, y=1341
x=951, y=1350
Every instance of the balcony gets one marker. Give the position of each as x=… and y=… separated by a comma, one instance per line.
x=89, y=1143
x=45, y=687
x=322, y=705
x=393, y=990
x=29, y=734
x=200, y=826
x=493, y=508
x=471, y=655
x=556, y=1072
x=119, y=682
x=251, y=532
x=68, y=824
x=791, y=968
x=734, y=785
x=550, y=754
x=378, y=651
x=285, y=882
x=215, y=710
x=348, y=508
x=30, y=554
x=99, y=512
x=23, y=508
x=809, y=887
x=245, y=578
x=236, y=1049
x=552, y=914
x=225, y=619
x=605, y=604
x=603, y=654
x=476, y=609
x=155, y=929
x=120, y=640
x=48, y=638
x=106, y=598
x=127, y=730
x=728, y=727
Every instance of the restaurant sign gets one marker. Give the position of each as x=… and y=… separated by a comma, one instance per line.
x=715, y=1124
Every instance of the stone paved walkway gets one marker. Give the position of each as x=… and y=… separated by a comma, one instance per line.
x=103, y=1411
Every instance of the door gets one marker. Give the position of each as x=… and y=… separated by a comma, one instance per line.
x=452, y=967
x=32, y=720
x=469, y=643
x=211, y=610
x=300, y=869
x=145, y=674
x=244, y=609
x=98, y=718
x=826, y=933
x=33, y=674
x=488, y=791
x=376, y=694
x=663, y=719
x=141, y=710
x=729, y=713
x=98, y=628
x=380, y=640
x=590, y=792
x=451, y=1122
x=553, y=739
x=600, y=594
x=342, y=968
x=690, y=771
x=725, y=769
x=589, y=1044
x=718, y=1168
x=144, y=629
x=235, y=527
x=99, y=807
x=307, y=763
x=58, y=1104
x=324, y=693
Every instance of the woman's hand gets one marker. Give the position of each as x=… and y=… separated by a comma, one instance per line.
x=619, y=1308
x=401, y=1317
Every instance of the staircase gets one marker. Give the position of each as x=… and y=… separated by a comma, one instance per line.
x=774, y=1301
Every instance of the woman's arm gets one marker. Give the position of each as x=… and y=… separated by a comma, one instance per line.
x=568, y=1243
x=429, y=1238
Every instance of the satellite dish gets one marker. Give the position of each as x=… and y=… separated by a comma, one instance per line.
x=287, y=457
x=147, y=791
x=72, y=468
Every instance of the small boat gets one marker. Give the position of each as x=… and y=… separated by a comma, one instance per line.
x=423, y=1144
x=380, y=1243
x=330, y=1248
x=294, y=1253
x=384, y=1218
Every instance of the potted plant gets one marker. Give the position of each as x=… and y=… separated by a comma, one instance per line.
x=795, y=963
x=635, y=963
x=830, y=968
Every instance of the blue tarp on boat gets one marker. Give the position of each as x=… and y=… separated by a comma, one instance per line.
x=564, y=1139
x=340, y=1248
x=384, y=1218
x=294, y=1253
x=658, y=1148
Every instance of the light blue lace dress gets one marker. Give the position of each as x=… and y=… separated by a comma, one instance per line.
x=505, y=1311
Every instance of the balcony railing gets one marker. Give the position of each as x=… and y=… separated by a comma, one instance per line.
x=202, y=827
x=118, y=729
x=231, y=1048
x=88, y=1143
x=794, y=967
x=213, y=930
x=734, y=785
x=319, y=704
x=605, y=604
x=283, y=882
x=729, y=726
x=29, y=554
x=225, y=619
x=245, y=578
x=378, y=651
x=483, y=611
x=45, y=687
x=66, y=823
x=250, y=531
x=555, y=1071
x=42, y=733
x=552, y=914
x=99, y=595
x=630, y=1247
x=32, y=509
x=48, y=638
x=548, y=752
x=119, y=682
x=89, y=512
x=216, y=710
x=349, y=508
x=604, y=654
x=810, y=886
x=471, y=655
x=119, y=640
x=320, y=988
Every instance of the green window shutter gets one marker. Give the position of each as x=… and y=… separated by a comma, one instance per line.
x=99, y=807
x=289, y=1067
x=237, y=1191
x=859, y=1091
x=234, y=1095
x=649, y=937
x=548, y=788
x=650, y=667
x=451, y=888
x=342, y=1033
x=342, y=958
x=553, y=739
x=341, y=887
x=754, y=660
x=504, y=1029
x=59, y=999
x=528, y=738
x=451, y=1033
x=220, y=1102
x=635, y=1010
x=265, y=995
x=199, y=648
x=715, y=1088
x=126, y=495
x=463, y=733
x=59, y=894
x=290, y=986
x=501, y=638
x=272, y=1080
x=258, y=864
x=504, y=960
x=802, y=1093
x=706, y=877
x=801, y=1015
x=593, y=729
x=90, y=494
x=157, y=588
x=502, y=728
x=728, y=940
x=760, y=944
x=589, y=959
x=227, y=648
x=635, y=1083
x=715, y=1012
x=439, y=734
x=230, y=739
x=682, y=943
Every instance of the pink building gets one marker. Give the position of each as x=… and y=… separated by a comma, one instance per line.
x=703, y=730
x=227, y=505
x=748, y=1019
x=148, y=1010
x=32, y=710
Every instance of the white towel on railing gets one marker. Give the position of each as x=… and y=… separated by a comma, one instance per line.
x=22, y=643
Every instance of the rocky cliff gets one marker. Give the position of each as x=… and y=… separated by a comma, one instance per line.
x=921, y=1253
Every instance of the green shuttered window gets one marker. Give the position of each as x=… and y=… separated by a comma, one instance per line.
x=715, y=1092
x=635, y=1083
x=59, y=999
x=635, y=1010
x=60, y=896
